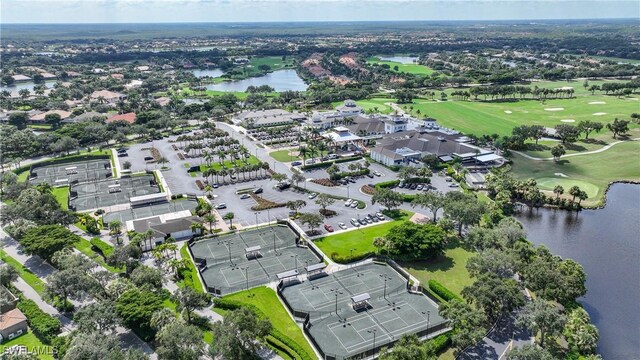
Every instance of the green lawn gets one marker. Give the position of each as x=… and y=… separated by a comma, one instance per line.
x=30, y=278
x=415, y=69
x=479, y=118
x=84, y=246
x=32, y=343
x=594, y=170
x=62, y=196
x=267, y=301
x=230, y=164
x=190, y=276
x=449, y=269
x=375, y=105
x=285, y=155
x=360, y=240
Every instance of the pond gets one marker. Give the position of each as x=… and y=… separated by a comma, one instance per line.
x=212, y=73
x=400, y=59
x=607, y=244
x=16, y=87
x=281, y=80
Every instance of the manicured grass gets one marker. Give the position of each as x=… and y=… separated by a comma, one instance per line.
x=360, y=240
x=190, y=276
x=62, y=196
x=479, y=118
x=285, y=155
x=186, y=92
x=449, y=269
x=30, y=278
x=267, y=301
x=84, y=246
x=543, y=148
x=618, y=163
x=230, y=164
x=23, y=176
x=415, y=69
x=31, y=341
x=374, y=105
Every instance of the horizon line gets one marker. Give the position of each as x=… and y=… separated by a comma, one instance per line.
x=321, y=21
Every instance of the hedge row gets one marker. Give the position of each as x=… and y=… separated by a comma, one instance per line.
x=44, y=326
x=442, y=291
x=387, y=184
x=440, y=343
x=348, y=258
x=101, y=247
x=345, y=174
x=233, y=305
x=329, y=163
x=419, y=180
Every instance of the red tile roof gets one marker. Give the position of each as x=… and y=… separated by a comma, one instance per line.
x=128, y=117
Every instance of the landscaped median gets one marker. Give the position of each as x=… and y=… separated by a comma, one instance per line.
x=286, y=337
x=357, y=244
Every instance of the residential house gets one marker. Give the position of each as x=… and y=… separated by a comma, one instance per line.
x=128, y=117
x=13, y=323
x=41, y=117
x=108, y=96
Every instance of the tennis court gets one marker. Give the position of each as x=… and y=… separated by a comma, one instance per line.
x=150, y=210
x=229, y=268
x=390, y=311
x=72, y=172
x=105, y=193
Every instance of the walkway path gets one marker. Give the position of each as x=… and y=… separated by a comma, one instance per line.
x=604, y=148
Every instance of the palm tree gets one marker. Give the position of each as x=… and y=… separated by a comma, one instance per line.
x=115, y=228
x=379, y=242
x=211, y=220
x=229, y=216
x=558, y=190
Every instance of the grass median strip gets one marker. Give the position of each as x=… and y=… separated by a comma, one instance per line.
x=30, y=278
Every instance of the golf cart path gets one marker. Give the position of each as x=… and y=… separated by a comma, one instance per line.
x=604, y=148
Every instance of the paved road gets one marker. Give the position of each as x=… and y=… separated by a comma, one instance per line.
x=495, y=345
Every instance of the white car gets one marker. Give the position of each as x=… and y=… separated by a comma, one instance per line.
x=348, y=202
x=354, y=204
x=221, y=206
x=342, y=225
x=245, y=196
x=313, y=195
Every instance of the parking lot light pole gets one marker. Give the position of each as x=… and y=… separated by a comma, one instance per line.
x=257, y=212
x=428, y=321
x=347, y=191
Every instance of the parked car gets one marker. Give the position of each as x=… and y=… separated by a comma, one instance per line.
x=352, y=180
x=342, y=225
x=354, y=222
x=245, y=196
x=296, y=163
x=401, y=184
x=310, y=162
x=258, y=191
x=328, y=227
x=313, y=195
x=419, y=187
x=380, y=216
x=354, y=204
x=123, y=154
x=373, y=218
x=453, y=185
x=216, y=185
x=348, y=202
x=362, y=221
x=448, y=179
x=376, y=173
x=221, y=206
x=370, y=175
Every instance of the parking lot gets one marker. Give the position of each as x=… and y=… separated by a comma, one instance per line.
x=180, y=181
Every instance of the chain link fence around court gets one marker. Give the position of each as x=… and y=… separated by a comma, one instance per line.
x=225, y=268
x=70, y=173
x=105, y=193
x=342, y=332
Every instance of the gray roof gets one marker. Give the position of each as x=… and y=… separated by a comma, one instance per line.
x=86, y=116
x=434, y=143
x=161, y=229
x=366, y=125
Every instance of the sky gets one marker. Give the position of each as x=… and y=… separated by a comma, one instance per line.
x=155, y=11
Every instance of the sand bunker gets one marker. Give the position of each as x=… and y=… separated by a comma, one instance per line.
x=560, y=174
x=599, y=114
x=554, y=109
x=634, y=99
x=507, y=112
x=567, y=120
x=597, y=103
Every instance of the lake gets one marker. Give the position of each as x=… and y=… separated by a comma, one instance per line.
x=281, y=80
x=16, y=87
x=212, y=73
x=399, y=59
x=607, y=244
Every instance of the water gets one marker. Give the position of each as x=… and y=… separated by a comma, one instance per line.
x=281, y=80
x=607, y=244
x=400, y=59
x=212, y=73
x=16, y=87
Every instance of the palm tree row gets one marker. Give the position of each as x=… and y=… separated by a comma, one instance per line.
x=244, y=170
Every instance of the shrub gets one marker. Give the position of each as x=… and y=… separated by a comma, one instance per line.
x=439, y=343
x=101, y=247
x=387, y=184
x=345, y=259
x=45, y=326
x=442, y=291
